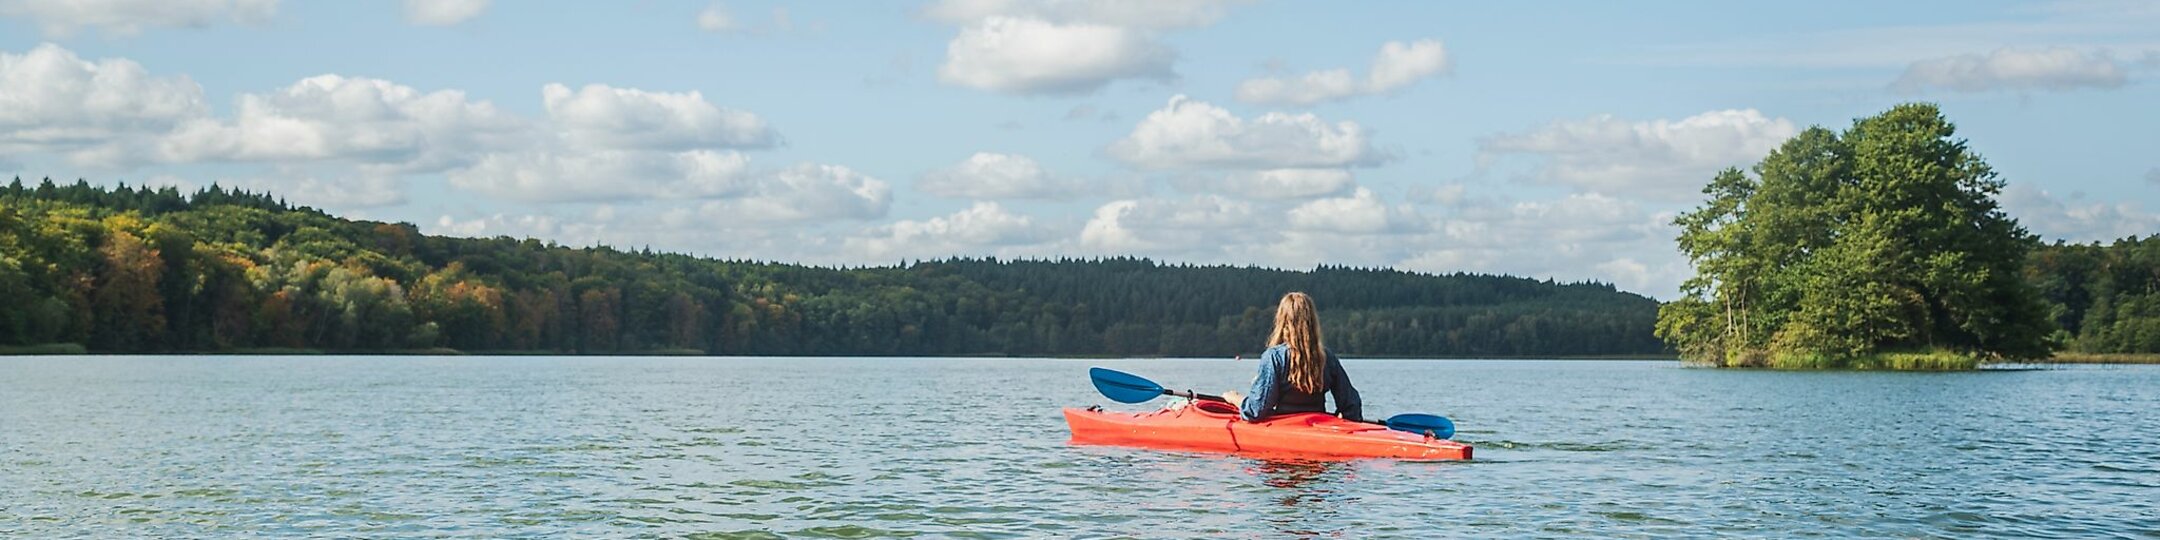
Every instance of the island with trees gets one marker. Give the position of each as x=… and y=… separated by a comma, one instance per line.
x=1882, y=246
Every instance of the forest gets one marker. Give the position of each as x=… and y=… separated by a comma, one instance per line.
x=2105, y=299
x=127, y=270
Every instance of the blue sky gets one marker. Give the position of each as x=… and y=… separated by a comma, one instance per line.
x=1554, y=140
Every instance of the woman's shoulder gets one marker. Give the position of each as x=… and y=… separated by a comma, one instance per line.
x=1279, y=350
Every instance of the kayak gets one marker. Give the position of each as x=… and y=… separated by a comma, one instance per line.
x=1214, y=426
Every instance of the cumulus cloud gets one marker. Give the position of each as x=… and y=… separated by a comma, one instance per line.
x=1361, y=213
x=51, y=99
x=1064, y=46
x=608, y=117
x=360, y=120
x=989, y=175
x=1191, y=134
x=1166, y=226
x=331, y=193
x=128, y=17
x=2050, y=69
x=1154, y=14
x=601, y=143
x=1582, y=236
x=606, y=175
x=1398, y=65
x=1270, y=183
x=576, y=231
x=443, y=12
x=2074, y=219
x=1031, y=56
x=805, y=192
x=1660, y=159
x=982, y=229
x=715, y=18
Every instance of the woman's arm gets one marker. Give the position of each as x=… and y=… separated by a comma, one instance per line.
x=1347, y=402
x=1262, y=399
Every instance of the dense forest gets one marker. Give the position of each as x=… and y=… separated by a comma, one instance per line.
x=2105, y=299
x=154, y=270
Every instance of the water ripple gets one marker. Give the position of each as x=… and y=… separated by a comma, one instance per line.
x=106, y=447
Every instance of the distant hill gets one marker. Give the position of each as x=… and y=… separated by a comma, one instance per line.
x=143, y=270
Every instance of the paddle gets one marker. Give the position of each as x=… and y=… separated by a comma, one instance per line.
x=1125, y=387
x=1438, y=426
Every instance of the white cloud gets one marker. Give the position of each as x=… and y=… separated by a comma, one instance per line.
x=1153, y=14
x=715, y=18
x=1577, y=237
x=602, y=143
x=2080, y=23
x=805, y=192
x=982, y=229
x=1031, y=56
x=1397, y=66
x=1160, y=226
x=1064, y=46
x=334, y=194
x=988, y=175
x=1269, y=183
x=1190, y=134
x=1571, y=238
x=1660, y=159
x=569, y=231
x=128, y=17
x=443, y=12
x=51, y=99
x=1401, y=64
x=359, y=120
x=623, y=118
x=2075, y=219
x=1447, y=195
x=1360, y=213
x=607, y=175
x=2052, y=69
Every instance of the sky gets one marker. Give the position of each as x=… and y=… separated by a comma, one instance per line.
x=1551, y=141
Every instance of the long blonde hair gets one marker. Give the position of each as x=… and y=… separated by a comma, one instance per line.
x=1297, y=324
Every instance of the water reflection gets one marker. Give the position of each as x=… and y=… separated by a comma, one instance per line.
x=1306, y=497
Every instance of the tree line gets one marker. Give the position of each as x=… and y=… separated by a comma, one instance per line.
x=2103, y=298
x=126, y=269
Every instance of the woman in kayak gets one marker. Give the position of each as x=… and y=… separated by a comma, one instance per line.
x=1296, y=372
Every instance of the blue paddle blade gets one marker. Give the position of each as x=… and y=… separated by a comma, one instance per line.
x=1124, y=387
x=1439, y=426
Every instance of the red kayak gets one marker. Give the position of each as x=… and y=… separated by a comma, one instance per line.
x=1214, y=426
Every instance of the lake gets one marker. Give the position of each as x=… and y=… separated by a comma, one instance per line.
x=206, y=446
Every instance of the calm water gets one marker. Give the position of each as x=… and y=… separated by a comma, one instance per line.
x=849, y=448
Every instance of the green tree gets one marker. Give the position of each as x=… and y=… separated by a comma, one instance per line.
x=1885, y=238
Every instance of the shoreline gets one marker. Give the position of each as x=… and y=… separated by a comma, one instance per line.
x=2103, y=358
x=70, y=349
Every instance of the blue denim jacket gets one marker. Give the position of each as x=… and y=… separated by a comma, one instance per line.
x=1266, y=390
